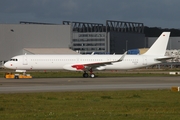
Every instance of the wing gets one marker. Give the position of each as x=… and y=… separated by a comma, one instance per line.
x=96, y=65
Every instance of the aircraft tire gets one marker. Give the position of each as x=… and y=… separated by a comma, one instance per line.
x=92, y=75
x=85, y=75
x=16, y=77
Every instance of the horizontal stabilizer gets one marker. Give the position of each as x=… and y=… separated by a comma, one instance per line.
x=164, y=58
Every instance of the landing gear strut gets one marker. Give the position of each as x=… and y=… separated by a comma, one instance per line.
x=86, y=75
x=92, y=75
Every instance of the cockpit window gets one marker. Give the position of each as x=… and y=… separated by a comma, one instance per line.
x=13, y=59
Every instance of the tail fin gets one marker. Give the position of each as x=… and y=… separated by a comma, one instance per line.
x=160, y=45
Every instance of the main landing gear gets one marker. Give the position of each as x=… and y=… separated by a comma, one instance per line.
x=86, y=75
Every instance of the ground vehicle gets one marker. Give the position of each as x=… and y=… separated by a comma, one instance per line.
x=17, y=76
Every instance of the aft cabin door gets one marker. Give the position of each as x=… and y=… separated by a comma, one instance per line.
x=25, y=62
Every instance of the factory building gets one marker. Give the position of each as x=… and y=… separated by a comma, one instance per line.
x=174, y=42
x=115, y=37
x=85, y=38
x=74, y=38
x=15, y=37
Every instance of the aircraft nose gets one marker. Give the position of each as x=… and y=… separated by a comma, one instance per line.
x=7, y=65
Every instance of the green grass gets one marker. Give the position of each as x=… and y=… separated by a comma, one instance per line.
x=61, y=74
x=70, y=74
x=106, y=105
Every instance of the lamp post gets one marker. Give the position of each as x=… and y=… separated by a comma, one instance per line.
x=126, y=45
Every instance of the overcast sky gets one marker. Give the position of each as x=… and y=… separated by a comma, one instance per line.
x=153, y=13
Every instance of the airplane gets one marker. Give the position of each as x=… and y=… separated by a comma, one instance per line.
x=92, y=62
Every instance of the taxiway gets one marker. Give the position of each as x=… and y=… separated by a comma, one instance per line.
x=86, y=84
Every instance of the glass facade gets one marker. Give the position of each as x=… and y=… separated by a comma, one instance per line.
x=86, y=43
x=114, y=37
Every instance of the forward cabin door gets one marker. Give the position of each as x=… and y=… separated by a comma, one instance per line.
x=25, y=62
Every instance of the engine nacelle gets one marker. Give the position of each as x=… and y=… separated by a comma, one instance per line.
x=73, y=67
x=78, y=67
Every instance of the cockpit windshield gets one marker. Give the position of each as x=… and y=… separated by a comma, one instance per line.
x=13, y=59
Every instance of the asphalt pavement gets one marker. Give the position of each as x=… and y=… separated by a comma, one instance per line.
x=86, y=84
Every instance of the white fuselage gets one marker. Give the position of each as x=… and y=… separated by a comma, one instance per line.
x=65, y=62
x=154, y=55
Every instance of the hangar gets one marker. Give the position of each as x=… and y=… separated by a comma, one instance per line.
x=15, y=37
x=113, y=37
x=74, y=38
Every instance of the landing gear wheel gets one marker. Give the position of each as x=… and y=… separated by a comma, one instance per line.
x=16, y=77
x=85, y=75
x=92, y=75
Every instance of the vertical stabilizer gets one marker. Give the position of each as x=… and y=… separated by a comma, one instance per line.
x=160, y=45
